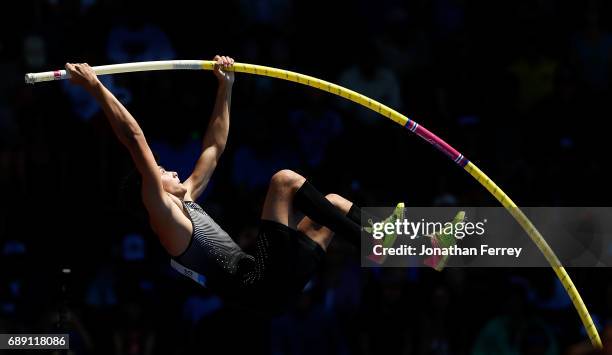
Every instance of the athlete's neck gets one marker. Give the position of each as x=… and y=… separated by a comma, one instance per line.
x=179, y=195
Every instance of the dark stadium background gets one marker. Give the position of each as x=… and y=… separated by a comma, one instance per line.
x=522, y=88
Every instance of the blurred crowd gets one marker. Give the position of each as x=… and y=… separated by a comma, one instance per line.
x=522, y=88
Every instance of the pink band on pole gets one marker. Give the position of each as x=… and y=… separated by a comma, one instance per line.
x=441, y=145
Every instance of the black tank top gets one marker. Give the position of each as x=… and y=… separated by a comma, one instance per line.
x=211, y=251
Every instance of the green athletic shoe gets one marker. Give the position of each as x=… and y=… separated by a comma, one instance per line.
x=389, y=239
x=443, y=240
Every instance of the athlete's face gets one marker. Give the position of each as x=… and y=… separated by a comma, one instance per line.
x=170, y=181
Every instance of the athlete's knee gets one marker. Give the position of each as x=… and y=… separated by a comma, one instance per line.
x=287, y=179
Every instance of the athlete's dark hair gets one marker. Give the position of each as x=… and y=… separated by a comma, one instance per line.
x=130, y=196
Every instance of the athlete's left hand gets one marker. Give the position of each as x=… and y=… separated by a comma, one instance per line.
x=223, y=76
x=83, y=75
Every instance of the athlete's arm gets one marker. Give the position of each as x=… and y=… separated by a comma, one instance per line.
x=215, y=137
x=129, y=133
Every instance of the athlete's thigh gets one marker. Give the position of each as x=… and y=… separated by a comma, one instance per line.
x=278, y=206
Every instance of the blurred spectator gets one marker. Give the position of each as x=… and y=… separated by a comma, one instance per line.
x=136, y=40
x=441, y=328
x=315, y=125
x=85, y=106
x=535, y=75
x=81, y=341
x=517, y=331
x=34, y=53
x=198, y=307
x=371, y=78
x=308, y=329
x=101, y=290
x=134, y=334
x=592, y=52
x=444, y=61
x=387, y=326
x=257, y=159
x=449, y=16
x=276, y=13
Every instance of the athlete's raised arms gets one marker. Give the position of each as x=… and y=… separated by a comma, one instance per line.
x=215, y=137
x=165, y=217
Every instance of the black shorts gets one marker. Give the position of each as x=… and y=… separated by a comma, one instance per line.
x=284, y=261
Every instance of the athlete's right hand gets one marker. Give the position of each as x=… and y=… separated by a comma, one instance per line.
x=83, y=75
x=223, y=76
